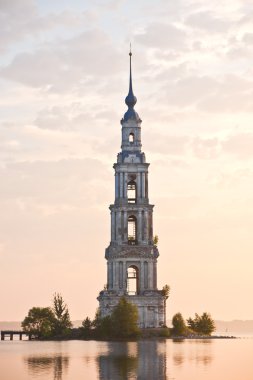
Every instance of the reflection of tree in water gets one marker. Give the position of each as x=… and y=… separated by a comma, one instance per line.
x=44, y=365
x=178, y=359
x=178, y=355
x=122, y=367
x=129, y=361
x=199, y=351
x=204, y=359
x=203, y=351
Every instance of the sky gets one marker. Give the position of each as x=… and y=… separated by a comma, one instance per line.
x=64, y=71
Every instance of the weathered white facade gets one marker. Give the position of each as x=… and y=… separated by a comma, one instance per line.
x=132, y=256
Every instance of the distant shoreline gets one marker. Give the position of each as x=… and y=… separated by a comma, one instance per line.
x=225, y=328
x=205, y=337
x=143, y=337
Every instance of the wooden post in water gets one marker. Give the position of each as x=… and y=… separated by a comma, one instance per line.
x=20, y=336
x=2, y=335
x=11, y=336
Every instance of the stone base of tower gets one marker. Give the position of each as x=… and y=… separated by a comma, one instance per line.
x=151, y=307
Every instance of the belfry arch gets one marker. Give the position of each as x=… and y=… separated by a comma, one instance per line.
x=132, y=230
x=132, y=280
x=131, y=192
x=131, y=138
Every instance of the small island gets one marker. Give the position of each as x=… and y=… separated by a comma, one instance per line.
x=53, y=323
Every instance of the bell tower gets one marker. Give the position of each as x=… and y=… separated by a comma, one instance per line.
x=132, y=255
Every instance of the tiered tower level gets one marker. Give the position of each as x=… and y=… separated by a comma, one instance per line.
x=132, y=255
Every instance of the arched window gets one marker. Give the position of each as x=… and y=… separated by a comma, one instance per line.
x=131, y=192
x=132, y=280
x=131, y=230
x=131, y=138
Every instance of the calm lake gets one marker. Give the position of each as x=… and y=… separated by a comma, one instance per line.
x=215, y=359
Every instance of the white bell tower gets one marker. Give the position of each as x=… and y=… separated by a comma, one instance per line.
x=132, y=255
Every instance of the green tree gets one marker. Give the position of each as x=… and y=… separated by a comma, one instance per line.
x=125, y=319
x=179, y=326
x=87, y=327
x=39, y=321
x=165, y=292
x=97, y=320
x=87, y=324
x=102, y=326
x=121, y=324
x=203, y=324
x=191, y=323
x=62, y=323
x=155, y=240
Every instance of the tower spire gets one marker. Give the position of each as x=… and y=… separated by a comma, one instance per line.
x=131, y=100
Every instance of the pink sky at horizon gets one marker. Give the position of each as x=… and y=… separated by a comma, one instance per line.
x=64, y=77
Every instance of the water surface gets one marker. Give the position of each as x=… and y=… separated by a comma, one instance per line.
x=145, y=360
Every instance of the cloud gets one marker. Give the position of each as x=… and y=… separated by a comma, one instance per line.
x=162, y=36
x=199, y=147
x=206, y=148
x=239, y=47
x=189, y=90
x=2, y=247
x=209, y=22
x=14, y=19
x=67, y=65
x=169, y=145
x=248, y=38
x=178, y=207
x=111, y=5
x=234, y=94
x=240, y=145
x=54, y=182
x=9, y=144
x=172, y=162
x=54, y=118
x=22, y=20
x=229, y=93
x=233, y=182
x=76, y=118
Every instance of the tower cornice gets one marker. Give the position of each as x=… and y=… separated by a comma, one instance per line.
x=126, y=165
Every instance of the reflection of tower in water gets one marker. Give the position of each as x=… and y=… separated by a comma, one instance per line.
x=133, y=360
x=152, y=360
x=51, y=366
